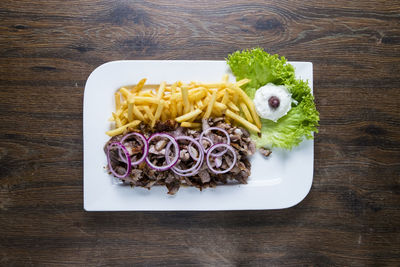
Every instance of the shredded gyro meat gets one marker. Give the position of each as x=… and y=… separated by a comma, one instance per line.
x=143, y=176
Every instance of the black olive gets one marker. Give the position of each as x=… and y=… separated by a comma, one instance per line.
x=273, y=102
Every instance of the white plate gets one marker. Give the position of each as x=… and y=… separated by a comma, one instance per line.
x=279, y=182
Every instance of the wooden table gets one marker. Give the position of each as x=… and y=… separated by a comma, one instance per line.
x=350, y=217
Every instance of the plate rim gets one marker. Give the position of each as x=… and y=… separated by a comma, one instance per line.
x=86, y=205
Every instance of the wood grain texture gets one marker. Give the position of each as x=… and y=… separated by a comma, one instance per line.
x=49, y=48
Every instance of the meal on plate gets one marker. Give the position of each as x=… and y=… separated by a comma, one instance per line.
x=202, y=134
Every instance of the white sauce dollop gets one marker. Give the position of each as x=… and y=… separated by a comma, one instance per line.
x=263, y=108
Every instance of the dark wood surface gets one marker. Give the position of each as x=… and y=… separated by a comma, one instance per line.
x=350, y=217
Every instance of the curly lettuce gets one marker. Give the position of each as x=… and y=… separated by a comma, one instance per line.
x=262, y=68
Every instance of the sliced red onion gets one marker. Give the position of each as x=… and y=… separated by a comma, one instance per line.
x=199, y=160
x=121, y=156
x=194, y=172
x=172, y=162
x=128, y=162
x=144, y=142
x=209, y=154
x=228, y=139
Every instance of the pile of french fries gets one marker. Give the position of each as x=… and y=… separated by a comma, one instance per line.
x=188, y=104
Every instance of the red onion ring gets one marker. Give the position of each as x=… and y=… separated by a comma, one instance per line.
x=194, y=172
x=199, y=160
x=209, y=154
x=145, y=146
x=121, y=157
x=170, y=163
x=128, y=162
x=228, y=139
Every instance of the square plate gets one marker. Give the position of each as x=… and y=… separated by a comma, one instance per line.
x=281, y=181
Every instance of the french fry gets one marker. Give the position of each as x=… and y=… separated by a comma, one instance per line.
x=225, y=98
x=233, y=106
x=246, y=111
x=146, y=94
x=193, y=90
x=191, y=124
x=153, y=108
x=117, y=100
x=114, y=116
x=130, y=112
x=117, y=120
x=197, y=96
x=161, y=89
x=149, y=113
x=139, y=85
x=158, y=112
x=145, y=100
x=205, y=101
x=125, y=93
x=199, y=104
x=242, y=121
x=188, y=115
x=137, y=113
x=124, y=115
x=250, y=104
x=220, y=95
x=146, y=119
x=243, y=95
x=255, y=116
x=176, y=96
x=173, y=109
x=167, y=104
x=235, y=98
x=185, y=99
x=179, y=107
x=210, y=105
x=121, y=129
x=220, y=106
x=119, y=112
x=242, y=82
x=230, y=90
x=173, y=103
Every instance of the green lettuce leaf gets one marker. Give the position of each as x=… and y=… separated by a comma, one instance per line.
x=262, y=68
